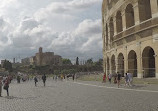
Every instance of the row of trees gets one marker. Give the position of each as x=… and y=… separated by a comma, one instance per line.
x=89, y=65
x=65, y=71
x=87, y=62
x=66, y=68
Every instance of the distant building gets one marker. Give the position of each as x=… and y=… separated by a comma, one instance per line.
x=2, y=63
x=32, y=60
x=40, y=58
x=57, y=60
x=25, y=61
x=13, y=60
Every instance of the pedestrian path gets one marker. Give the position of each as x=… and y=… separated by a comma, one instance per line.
x=135, y=87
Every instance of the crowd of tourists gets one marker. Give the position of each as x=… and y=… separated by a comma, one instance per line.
x=62, y=77
x=5, y=81
x=128, y=78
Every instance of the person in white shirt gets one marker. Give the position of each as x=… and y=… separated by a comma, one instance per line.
x=130, y=78
x=110, y=77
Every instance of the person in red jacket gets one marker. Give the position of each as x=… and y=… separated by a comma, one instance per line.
x=6, y=85
x=104, y=78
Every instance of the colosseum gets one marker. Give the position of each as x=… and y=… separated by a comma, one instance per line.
x=130, y=37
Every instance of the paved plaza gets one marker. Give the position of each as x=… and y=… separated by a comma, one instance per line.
x=78, y=96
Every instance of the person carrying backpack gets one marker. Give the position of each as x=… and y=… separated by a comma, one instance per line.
x=35, y=80
x=44, y=79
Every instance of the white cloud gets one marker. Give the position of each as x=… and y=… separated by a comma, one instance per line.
x=59, y=27
x=81, y=41
x=89, y=27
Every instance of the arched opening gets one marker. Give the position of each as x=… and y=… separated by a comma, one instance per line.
x=107, y=35
x=118, y=22
x=148, y=61
x=144, y=10
x=121, y=64
x=132, y=63
x=111, y=29
x=113, y=66
x=108, y=66
x=129, y=13
x=157, y=3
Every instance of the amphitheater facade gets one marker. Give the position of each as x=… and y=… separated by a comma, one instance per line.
x=130, y=37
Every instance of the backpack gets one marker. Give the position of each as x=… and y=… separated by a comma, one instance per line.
x=35, y=79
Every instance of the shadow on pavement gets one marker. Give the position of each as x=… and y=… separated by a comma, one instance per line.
x=13, y=97
x=136, y=86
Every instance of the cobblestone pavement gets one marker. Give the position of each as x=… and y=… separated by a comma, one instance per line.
x=69, y=96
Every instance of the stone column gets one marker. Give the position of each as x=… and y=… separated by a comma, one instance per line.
x=115, y=28
x=136, y=13
x=104, y=62
x=103, y=39
x=139, y=61
x=123, y=20
x=106, y=66
x=108, y=36
x=156, y=65
x=116, y=61
x=110, y=69
x=154, y=8
x=125, y=60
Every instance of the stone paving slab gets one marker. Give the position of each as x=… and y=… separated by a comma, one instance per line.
x=69, y=96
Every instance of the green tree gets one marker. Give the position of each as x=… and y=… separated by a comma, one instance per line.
x=66, y=62
x=77, y=61
x=90, y=61
x=98, y=65
x=57, y=72
x=7, y=65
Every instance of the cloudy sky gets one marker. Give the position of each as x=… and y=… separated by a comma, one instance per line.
x=69, y=28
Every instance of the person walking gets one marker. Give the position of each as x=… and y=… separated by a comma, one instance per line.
x=130, y=78
x=115, y=78
x=110, y=77
x=118, y=79
x=56, y=77
x=44, y=79
x=104, y=78
x=6, y=85
x=35, y=80
x=126, y=80
x=18, y=79
x=73, y=77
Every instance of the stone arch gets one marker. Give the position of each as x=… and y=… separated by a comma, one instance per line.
x=120, y=64
x=113, y=64
x=132, y=63
x=119, y=22
x=107, y=35
x=129, y=13
x=111, y=25
x=144, y=10
x=148, y=61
